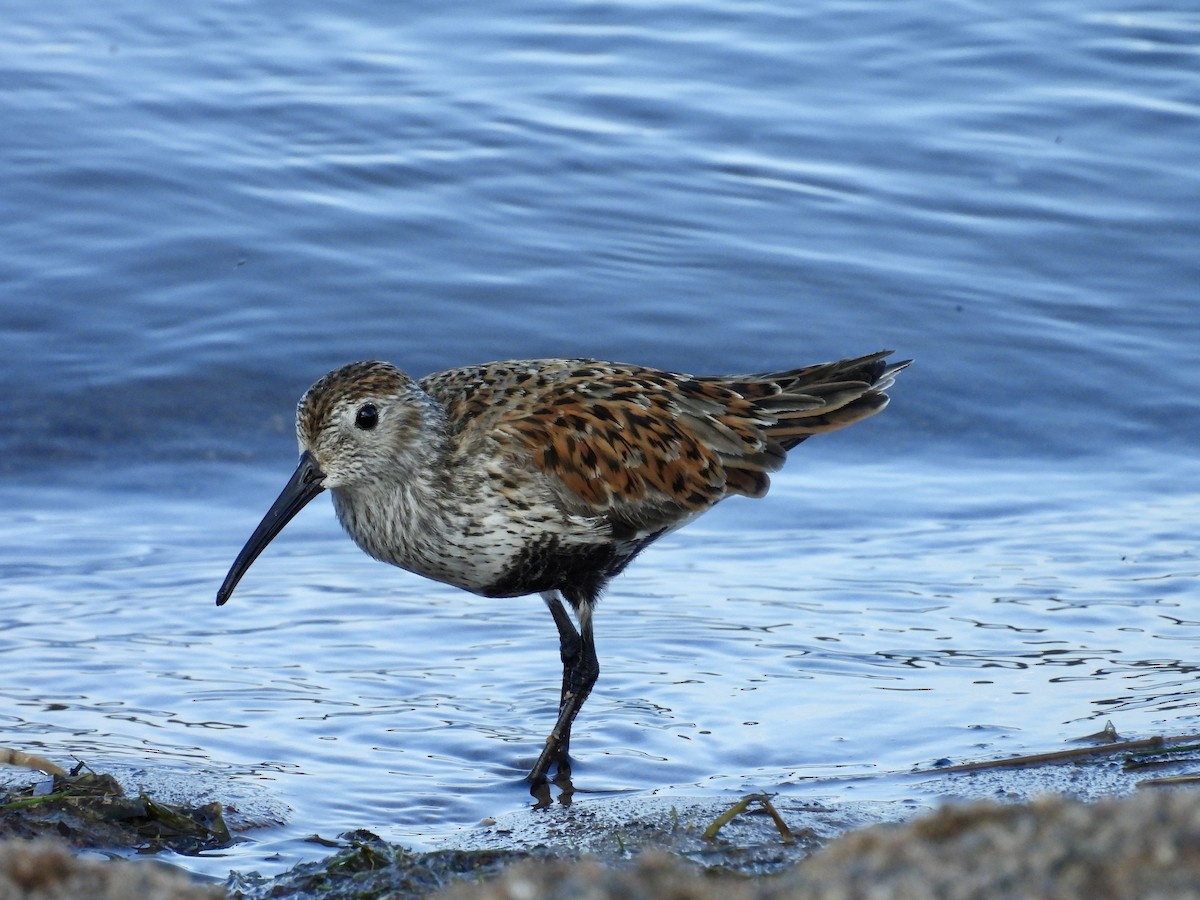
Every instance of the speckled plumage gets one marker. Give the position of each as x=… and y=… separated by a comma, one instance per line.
x=549, y=475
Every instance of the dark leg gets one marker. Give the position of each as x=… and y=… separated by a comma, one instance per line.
x=569, y=642
x=581, y=668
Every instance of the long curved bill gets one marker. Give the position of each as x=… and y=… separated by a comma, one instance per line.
x=306, y=482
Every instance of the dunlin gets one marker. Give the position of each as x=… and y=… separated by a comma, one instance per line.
x=548, y=476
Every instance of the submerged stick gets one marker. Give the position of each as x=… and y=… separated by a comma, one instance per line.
x=1169, y=780
x=1158, y=742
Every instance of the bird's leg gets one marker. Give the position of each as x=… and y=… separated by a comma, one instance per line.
x=568, y=640
x=581, y=668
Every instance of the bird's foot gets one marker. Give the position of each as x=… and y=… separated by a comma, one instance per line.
x=540, y=782
x=554, y=755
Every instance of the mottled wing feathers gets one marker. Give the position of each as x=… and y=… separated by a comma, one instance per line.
x=609, y=434
x=648, y=447
x=620, y=438
x=475, y=397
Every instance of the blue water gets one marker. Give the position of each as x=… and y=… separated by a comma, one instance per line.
x=203, y=210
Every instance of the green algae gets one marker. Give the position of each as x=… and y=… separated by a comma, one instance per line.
x=93, y=810
x=368, y=867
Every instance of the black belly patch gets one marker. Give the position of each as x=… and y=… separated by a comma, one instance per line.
x=580, y=573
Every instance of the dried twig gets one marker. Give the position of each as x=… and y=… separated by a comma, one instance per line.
x=29, y=761
x=741, y=806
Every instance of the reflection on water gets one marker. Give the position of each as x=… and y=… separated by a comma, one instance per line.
x=743, y=652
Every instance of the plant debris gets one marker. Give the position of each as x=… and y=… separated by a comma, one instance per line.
x=764, y=800
x=11, y=757
x=90, y=810
x=368, y=866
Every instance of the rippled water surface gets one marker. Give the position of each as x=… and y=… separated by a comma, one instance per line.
x=202, y=211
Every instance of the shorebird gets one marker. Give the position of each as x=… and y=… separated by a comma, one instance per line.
x=548, y=476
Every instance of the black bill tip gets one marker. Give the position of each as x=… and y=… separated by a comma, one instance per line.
x=306, y=482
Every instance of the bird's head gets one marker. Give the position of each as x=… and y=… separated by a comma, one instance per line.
x=360, y=423
x=356, y=425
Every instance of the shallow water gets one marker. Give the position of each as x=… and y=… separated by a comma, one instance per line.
x=201, y=214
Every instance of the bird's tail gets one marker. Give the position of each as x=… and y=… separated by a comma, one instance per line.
x=799, y=403
x=824, y=397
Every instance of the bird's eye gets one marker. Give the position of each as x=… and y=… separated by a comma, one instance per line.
x=367, y=418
